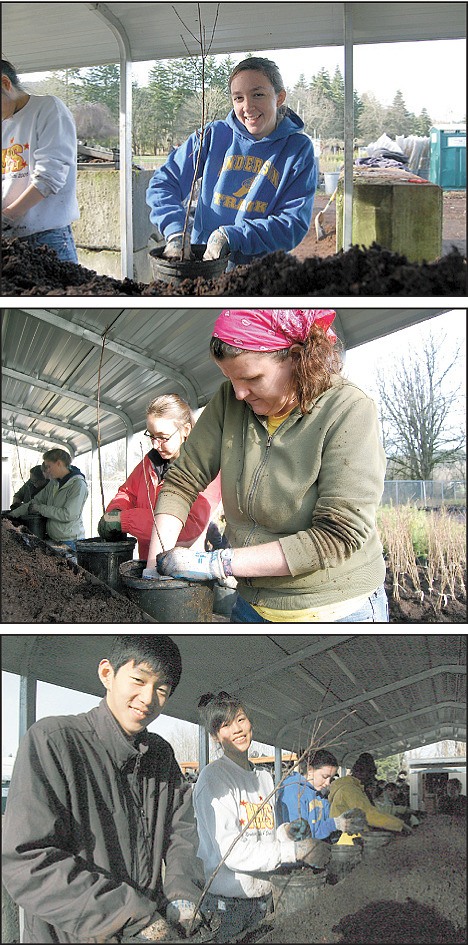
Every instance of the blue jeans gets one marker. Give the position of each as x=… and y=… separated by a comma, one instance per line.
x=375, y=610
x=234, y=915
x=60, y=240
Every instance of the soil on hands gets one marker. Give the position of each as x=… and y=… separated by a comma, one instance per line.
x=356, y=272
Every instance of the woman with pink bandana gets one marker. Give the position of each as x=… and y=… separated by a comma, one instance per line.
x=303, y=472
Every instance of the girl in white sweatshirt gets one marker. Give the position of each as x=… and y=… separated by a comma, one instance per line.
x=227, y=794
x=38, y=167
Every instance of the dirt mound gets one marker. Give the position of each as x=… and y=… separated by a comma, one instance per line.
x=357, y=272
x=39, y=586
x=413, y=890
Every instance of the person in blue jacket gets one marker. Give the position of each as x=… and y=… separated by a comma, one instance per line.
x=258, y=175
x=303, y=794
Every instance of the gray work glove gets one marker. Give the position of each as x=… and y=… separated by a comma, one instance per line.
x=110, y=527
x=352, y=821
x=187, y=565
x=312, y=852
x=217, y=245
x=174, y=245
x=407, y=831
x=181, y=913
x=158, y=931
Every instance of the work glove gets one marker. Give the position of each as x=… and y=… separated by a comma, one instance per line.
x=158, y=931
x=296, y=830
x=110, y=527
x=174, y=245
x=312, y=852
x=407, y=831
x=181, y=912
x=352, y=821
x=217, y=245
x=188, y=565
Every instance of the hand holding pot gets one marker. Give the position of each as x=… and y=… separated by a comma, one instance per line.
x=352, y=821
x=188, y=565
x=217, y=245
x=312, y=852
x=174, y=246
x=110, y=526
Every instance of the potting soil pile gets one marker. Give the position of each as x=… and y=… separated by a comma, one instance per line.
x=411, y=892
x=39, y=586
x=357, y=272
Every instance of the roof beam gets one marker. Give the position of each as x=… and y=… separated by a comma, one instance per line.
x=306, y=652
x=68, y=392
x=46, y=418
x=375, y=693
x=38, y=436
x=157, y=365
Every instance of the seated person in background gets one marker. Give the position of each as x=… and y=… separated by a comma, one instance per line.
x=303, y=794
x=350, y=792
x=169, y=421
x=61, y=501
x=385, y=800
x=35, y=483
x=454, y=801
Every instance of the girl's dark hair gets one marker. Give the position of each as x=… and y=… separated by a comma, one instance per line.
x=159, y=651
x=317, y=759
x=314, y=362
x=269, y=69
x=219, y=710
x=11, y=74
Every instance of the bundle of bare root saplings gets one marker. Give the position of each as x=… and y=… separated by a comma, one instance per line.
x=40, y=586
x=357, y=272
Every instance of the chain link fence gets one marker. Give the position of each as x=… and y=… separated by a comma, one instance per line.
x=424, y=492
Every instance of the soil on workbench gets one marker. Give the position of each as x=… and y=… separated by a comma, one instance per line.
x=411, y=891
x=40, y=586
x=313, y=268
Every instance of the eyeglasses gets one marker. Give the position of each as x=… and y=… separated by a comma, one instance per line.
x=160, y=439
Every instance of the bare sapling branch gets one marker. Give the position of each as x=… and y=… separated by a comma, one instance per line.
x=299, y=760
x=153, y=508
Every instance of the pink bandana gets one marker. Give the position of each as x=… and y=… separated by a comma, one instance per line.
x=261, y=329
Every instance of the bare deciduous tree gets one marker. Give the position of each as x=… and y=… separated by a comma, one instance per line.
x=420, y=410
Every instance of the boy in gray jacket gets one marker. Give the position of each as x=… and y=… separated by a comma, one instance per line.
x=97, y=804
x=62, y=499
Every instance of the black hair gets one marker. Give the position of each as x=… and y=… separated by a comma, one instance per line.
x=316, y=758
x=157, y=650
x=11, y=73
x=219, y=710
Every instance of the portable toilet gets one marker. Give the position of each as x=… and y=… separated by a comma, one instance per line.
x=448, y=157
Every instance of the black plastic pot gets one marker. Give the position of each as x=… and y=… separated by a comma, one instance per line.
x=165, y=599
x=176, y=270
x=36, y=524
x=103, y=558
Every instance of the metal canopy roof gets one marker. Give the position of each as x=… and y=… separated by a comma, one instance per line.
x=45, y=36
x=50, y=365
x=383, y=693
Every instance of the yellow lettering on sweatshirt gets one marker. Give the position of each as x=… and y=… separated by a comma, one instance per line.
x=12, y=159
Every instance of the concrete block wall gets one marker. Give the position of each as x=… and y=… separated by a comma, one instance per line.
x=401, y=216
x=97, y=232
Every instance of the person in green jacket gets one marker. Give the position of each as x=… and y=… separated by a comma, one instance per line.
x=302, y=471
x=61, y=501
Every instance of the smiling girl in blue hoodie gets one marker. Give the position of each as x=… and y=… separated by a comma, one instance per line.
x=257, y=170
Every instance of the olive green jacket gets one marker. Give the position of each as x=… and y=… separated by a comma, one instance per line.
x=314, y=485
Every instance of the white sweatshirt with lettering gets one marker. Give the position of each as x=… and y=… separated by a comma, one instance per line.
x=39, y=147
x=225, y=797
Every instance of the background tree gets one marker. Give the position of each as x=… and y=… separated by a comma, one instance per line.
x=95, y=125
x=420, y=410
x=398, y=120
x=371, y=122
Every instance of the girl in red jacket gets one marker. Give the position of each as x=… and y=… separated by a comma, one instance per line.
x=169, y=421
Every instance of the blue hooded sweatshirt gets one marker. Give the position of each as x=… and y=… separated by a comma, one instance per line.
x=260, y=192
x=297, y=798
